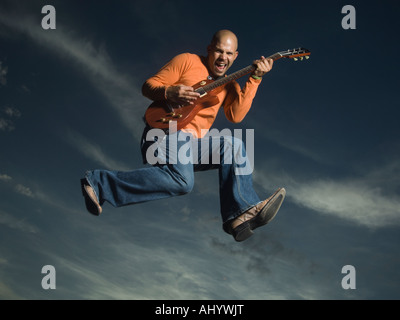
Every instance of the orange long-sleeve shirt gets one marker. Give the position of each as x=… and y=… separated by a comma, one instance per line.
x=189, y=69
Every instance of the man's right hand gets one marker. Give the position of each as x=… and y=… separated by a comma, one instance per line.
x=181, y=94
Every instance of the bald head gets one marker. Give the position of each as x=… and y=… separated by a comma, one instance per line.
x=225, y=36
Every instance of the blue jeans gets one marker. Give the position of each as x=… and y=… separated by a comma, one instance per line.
x=174, y=159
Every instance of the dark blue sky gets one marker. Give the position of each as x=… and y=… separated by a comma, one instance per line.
x=325, y=129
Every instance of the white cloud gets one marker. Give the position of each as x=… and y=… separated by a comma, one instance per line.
x=93, y=152
x=5, y=177
x=6, y=125
x=359, y=200
x=349, y=200
x=18, y=187
x=18, y=224
x=24, y=190
x=12, y=112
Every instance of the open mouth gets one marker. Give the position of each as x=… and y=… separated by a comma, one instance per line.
x=220, y=66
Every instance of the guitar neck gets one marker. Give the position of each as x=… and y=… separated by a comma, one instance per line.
x=235, y=75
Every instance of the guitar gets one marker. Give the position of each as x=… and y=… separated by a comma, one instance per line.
x=160, y=113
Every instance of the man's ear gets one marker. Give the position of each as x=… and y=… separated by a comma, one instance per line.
x=236, y=54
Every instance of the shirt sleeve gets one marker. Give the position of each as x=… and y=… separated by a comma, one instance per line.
x=238, y=101
x=154, y=87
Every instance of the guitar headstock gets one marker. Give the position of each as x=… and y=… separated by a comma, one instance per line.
x=295, y=54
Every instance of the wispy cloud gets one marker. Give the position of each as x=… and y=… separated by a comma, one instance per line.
x=24, y=190
x=15, y=223
x=6, y=292
x=6, y=124
x=171, y=279
x=269, y=260
x=359, y=200
x=18, y=187
x=5, y=177
x=12, y=112
x=93, y=151
x=351, y=201
x=121, y=91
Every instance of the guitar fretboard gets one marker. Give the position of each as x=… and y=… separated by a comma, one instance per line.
x=233, y=76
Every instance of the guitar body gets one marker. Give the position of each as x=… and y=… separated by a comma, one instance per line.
x=160, y=113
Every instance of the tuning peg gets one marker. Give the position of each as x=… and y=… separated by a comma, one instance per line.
x=295, y=59
x=307, y=57
x=301, y=58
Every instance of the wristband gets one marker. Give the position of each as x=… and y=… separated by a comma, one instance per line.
x=255, y=77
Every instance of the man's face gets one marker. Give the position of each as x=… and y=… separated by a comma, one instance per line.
x=221, y=56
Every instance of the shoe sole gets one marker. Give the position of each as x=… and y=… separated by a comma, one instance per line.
x=245, y=230
x=269, y=211
x=90, y=203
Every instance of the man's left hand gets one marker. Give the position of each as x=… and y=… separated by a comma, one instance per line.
x=263, y=66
